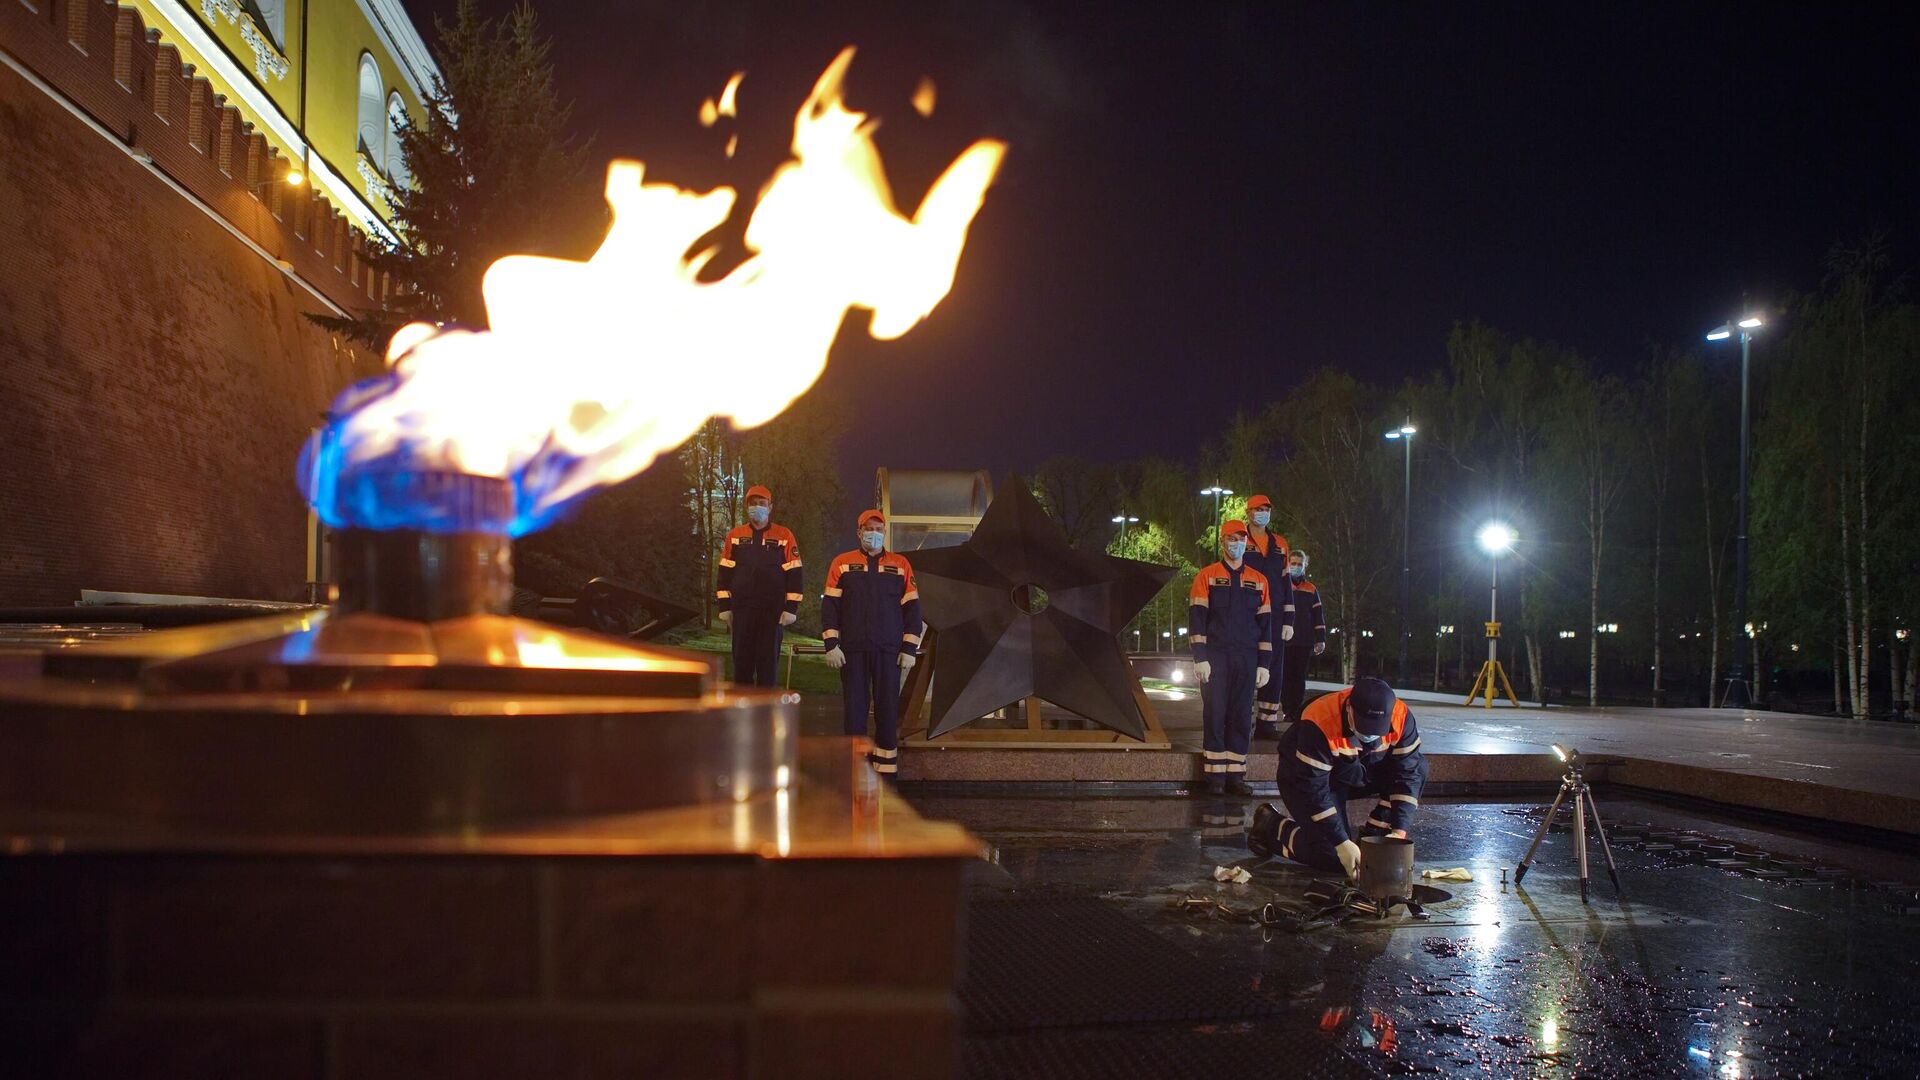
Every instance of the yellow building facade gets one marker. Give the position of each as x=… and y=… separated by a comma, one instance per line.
x=323, y=80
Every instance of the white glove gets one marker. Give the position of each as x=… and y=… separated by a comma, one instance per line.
x=1261, y=676
x=1202, y=670
x=1286, y=632
x=787, y=618
x=907, y=661
x=1397, y=834
x=1349, y=853
x=1319, y=647
x=727, y=617
x=836, y=659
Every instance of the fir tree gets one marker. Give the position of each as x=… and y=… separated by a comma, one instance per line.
x=491, y=171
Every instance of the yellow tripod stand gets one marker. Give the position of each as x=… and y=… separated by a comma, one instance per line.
x=1492, y=670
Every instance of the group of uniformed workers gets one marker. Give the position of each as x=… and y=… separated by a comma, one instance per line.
x=1266, y=648
x=1255, y=624
x=869, y=614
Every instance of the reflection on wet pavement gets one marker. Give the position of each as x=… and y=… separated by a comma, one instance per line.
x=1699, y=970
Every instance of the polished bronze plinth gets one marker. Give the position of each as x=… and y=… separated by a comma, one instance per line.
x=416, y=703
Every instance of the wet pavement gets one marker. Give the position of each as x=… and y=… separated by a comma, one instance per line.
x=1101, y=945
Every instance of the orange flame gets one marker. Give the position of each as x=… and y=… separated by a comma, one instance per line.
x=593, y=369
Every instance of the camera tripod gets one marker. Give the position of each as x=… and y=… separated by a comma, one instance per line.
x=1574, y=783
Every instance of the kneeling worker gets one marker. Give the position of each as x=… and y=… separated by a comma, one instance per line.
x=871, y=626
x=1352, y=743
x=1230, y=616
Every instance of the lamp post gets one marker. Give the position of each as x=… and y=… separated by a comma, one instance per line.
x=1496, y=539
x=1404, y=436
x=1216, y=491
x=1737, y=693
x=1123, y=520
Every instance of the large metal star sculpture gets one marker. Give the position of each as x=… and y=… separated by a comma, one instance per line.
x=1022, y=613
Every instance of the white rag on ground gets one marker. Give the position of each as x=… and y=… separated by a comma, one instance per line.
x=1236, y=874
x=1458, y=873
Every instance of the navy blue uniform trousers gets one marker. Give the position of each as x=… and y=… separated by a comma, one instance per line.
x=873, y=679
x=756, y=646
x=1312, y=846
x=1226, y=700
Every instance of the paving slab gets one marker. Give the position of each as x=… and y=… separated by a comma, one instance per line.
x=1085, y=962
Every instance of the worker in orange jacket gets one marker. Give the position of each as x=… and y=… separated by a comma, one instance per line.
x=870, y=619
x=1353, y=743
x=1267, y=552
x=759, y=589
x=1229, y=627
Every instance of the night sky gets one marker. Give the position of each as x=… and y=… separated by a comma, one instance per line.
x=1202, y=202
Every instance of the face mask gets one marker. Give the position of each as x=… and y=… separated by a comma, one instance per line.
x=1296, y=572
x=758, y=515
x=1236, y=548
x=871, y=541
x=1261, y=517
x=1366, y=740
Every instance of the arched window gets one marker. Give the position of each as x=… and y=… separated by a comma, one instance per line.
x=373, y=112
x=272, y=17
x=396, y=163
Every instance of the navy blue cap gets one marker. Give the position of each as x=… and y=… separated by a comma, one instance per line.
x=1372, y=704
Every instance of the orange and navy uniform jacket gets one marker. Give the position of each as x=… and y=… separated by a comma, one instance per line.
x=1268, y=554
x=1320, y=767
x=760, y=570
x=871, y=604
x=1230, y=611
x=1309, y=621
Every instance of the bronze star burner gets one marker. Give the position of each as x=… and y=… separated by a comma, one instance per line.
x=1019, y=612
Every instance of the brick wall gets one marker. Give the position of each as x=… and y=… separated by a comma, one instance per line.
x=156, y=375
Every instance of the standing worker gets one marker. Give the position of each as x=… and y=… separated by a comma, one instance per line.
x=1267, y=553
x=1349, y=744
x=871, y=621
x=759, y=589
x=1309, y=636
x=1231, y=621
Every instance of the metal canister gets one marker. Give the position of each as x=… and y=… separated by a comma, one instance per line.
x=1386, y=867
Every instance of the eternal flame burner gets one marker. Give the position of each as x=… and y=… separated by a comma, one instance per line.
x=415, y=703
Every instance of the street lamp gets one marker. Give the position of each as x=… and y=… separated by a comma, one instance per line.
x=1216, y=491
x=1404, y=436
x=1123, y=521
x=1737, y=693
x=1496, y=539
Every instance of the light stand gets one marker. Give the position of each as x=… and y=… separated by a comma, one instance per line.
x=1574, y=783
x=1495, y=539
